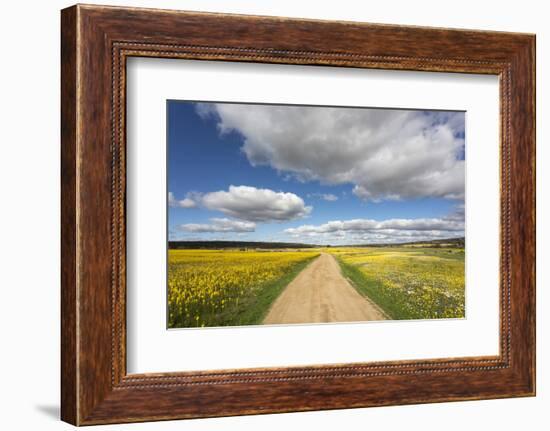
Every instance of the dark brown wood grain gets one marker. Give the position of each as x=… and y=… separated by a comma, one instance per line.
x=96, y=41
x=68, y=217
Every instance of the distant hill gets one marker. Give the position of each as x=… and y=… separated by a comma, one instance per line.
x=175, y=245
x=181, y=245
x=447, y=242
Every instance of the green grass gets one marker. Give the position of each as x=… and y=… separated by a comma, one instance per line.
x=371, y=288
x=254, y=312
x=408, y=283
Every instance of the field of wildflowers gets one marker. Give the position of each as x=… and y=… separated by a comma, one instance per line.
x=408, y=282
x=228, y=287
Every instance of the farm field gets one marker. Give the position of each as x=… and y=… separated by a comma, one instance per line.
x=228, y=287
x=283, y=214
x=234, y=287
x=408, y=282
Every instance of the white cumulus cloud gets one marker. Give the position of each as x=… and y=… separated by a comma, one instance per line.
x=382, y=231
x=219, y=225
x=383, y=153
x=183, y=203
x=256, y=205
x=366, y=225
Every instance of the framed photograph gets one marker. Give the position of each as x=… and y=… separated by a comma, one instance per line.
x=266, y=215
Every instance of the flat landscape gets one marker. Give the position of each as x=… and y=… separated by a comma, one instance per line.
x=228, y=287
x=301, y=214
x=252, y=286
x=408, y=282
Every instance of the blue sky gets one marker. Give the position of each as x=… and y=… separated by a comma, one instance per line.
x=287, y=173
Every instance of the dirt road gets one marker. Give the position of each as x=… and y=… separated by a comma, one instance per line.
x=321, y=294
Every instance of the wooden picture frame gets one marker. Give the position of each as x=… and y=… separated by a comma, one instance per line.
x=95, y=43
